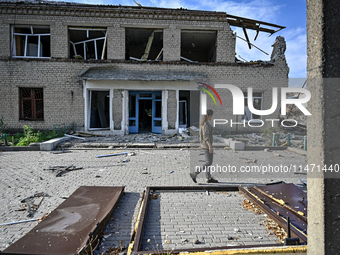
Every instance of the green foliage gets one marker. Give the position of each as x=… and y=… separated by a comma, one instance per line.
x=28, y=136
x=3, y=126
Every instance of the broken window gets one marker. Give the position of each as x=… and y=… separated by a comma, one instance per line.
x=31, y=104
x=257, y=103
x=31, y=41
x=144, y=44
x=88, y=43
x=198, y=46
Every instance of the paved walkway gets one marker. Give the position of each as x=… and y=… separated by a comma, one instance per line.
x=23, y=175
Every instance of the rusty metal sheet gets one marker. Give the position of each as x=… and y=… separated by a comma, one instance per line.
x=73, y=225
x=291, y=194
x=286, y=200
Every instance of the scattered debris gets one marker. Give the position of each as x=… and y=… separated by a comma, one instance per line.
x=84, y=134
x=193, y=130
x=24, y=221
x=61, y=170
x=154, y=196
x=304, y=182
x=275, y=229
x=116, y=250
x=232, y=238
x=18, y=222
x=73, y=136
x=251, y=207
x=196, y=241
x=112, y=154
x=248, y=160
x=28, y=203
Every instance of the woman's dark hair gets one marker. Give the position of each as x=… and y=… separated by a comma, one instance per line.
x=205, y=116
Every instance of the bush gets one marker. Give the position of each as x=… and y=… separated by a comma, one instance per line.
x=3, y=126
x=28, y=136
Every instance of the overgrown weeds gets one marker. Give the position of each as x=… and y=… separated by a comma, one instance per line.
x=30, y=136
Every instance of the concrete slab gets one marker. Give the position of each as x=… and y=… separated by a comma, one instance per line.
x=298, y=151
x=237, y=146
x=51, y=144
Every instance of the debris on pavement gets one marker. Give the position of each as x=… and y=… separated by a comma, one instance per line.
x=73, y=136
x=112, y=154
x=85, y=134
x=275, y=229
x=61, y=170
x=154, y=196
x=29, y=206
x=18, y=222
x=251, y=207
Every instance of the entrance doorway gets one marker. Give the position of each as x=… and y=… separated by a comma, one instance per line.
x=145, y=115
x=188, y=108
x=145, y=111
x=100, y=110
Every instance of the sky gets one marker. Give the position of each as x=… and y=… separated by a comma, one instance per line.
x=288, y=13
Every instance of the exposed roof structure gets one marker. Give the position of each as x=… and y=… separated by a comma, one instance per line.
x=165, y=13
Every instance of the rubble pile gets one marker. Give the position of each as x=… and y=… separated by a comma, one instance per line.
x=183, y=136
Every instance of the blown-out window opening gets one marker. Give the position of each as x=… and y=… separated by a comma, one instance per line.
x=88, y=43
x=144, y=44
x=31, y=41
x=198, y=46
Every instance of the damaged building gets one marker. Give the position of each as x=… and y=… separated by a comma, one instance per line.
x=126, y=69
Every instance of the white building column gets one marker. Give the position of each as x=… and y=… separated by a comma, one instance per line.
x=165, y=95
x=125, y=112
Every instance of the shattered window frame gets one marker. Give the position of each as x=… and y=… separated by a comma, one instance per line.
x=248, y=115
x=31, y=104
x=84, y=44
x=147, y=44
x=24, y=50
x=200, y=48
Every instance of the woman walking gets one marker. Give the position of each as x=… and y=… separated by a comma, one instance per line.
x=206, y=139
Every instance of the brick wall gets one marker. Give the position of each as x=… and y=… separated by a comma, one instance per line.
x=63, y=91
x=116, y=44
x=117, y=108
x=172, y=109
x=172, y=44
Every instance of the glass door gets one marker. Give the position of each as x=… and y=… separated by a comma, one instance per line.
x=157, y=112
x=133, y=112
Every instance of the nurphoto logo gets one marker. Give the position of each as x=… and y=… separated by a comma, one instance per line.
x=239, y=104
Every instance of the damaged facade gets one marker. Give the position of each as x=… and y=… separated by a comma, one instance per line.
x=124, y=69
